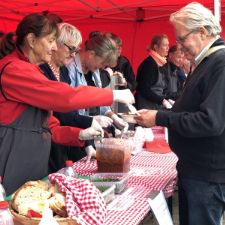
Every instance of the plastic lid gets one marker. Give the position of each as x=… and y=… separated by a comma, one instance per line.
x=69, y=163
x=4, y=205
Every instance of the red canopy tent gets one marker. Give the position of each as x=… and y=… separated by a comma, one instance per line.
x=135, y=21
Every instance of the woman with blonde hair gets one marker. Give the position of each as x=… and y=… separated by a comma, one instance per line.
x=69, y=36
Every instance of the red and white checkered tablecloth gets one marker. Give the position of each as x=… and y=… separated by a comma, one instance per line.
x=149, y=172
x=130, y=216
x=149, y=159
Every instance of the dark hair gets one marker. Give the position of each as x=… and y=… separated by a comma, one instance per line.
x=156, y=40
x=54, y=17
x=173, y=49
x=1, y=34
x=94, y=34
x=115, y=38
x=37, y=24
x=7, y=44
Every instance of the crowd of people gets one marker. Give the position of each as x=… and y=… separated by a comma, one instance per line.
x=57, y=97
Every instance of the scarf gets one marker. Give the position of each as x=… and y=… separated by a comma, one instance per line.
x=158, y=58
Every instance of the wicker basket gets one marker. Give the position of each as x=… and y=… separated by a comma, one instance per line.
x=35, y=221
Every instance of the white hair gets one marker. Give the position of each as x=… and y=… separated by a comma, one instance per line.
x=195, y=15
x=69, y=34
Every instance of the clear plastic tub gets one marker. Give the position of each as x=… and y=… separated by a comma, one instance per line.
x=120, y=180
x=108, y=192
x=113, y=155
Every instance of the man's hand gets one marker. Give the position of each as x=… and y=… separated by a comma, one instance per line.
x=146, y=118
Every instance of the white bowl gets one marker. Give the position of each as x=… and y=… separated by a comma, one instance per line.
x=128, y=117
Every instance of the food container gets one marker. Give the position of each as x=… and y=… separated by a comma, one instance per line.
x=128, y=117
x=108, y=192
x=35, y=221
x=113, y=155
x=120, y=180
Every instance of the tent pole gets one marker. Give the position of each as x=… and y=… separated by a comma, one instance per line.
x=217, y=9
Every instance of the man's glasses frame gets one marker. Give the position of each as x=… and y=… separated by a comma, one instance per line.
x=181, y=40
x=72, y=49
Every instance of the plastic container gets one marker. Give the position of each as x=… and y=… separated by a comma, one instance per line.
x=113, y=155
x=2, y=191
x=136, y=140
x=6, y=217
x=108, y=193
x=68, y=170
x=120, y=180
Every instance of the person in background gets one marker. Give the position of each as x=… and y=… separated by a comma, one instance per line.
x=27, y=98
x=123, y=70
x=7, y=44
x=68, y=44
x=54, y=17
x=99, y=52
x=123, y=64
x=102, y=73
x=186, y=65
x=2, y=34
x=174, y=75
x=196, y=123
x=151, y=78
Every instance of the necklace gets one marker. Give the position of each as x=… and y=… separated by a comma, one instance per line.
x=55, y=71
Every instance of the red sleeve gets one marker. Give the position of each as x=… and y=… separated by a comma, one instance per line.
x=64, y=135
x=23, y=82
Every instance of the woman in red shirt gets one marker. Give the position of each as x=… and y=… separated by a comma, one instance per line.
x=27, y=96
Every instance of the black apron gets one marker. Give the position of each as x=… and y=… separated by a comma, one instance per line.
x=143, y=103
x=24, y=148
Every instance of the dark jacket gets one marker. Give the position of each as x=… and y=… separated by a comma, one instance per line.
x=197, y=123
x=124, y=66
x=150, y=85
x=175, y=79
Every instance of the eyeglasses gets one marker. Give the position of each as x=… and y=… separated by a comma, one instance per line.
x=181, y=40
x=72, y=49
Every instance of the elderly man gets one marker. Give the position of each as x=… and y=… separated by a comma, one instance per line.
x=197, y=121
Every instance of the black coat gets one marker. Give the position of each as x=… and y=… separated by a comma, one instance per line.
x=197, y=123
x=124, y=66
x=150, y=85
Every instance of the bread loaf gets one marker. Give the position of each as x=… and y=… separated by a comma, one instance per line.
x=58, y=204
x=31, y=195
x=34, y=195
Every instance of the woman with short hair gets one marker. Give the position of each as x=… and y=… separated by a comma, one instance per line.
x=69, y=37
x=99, y=52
